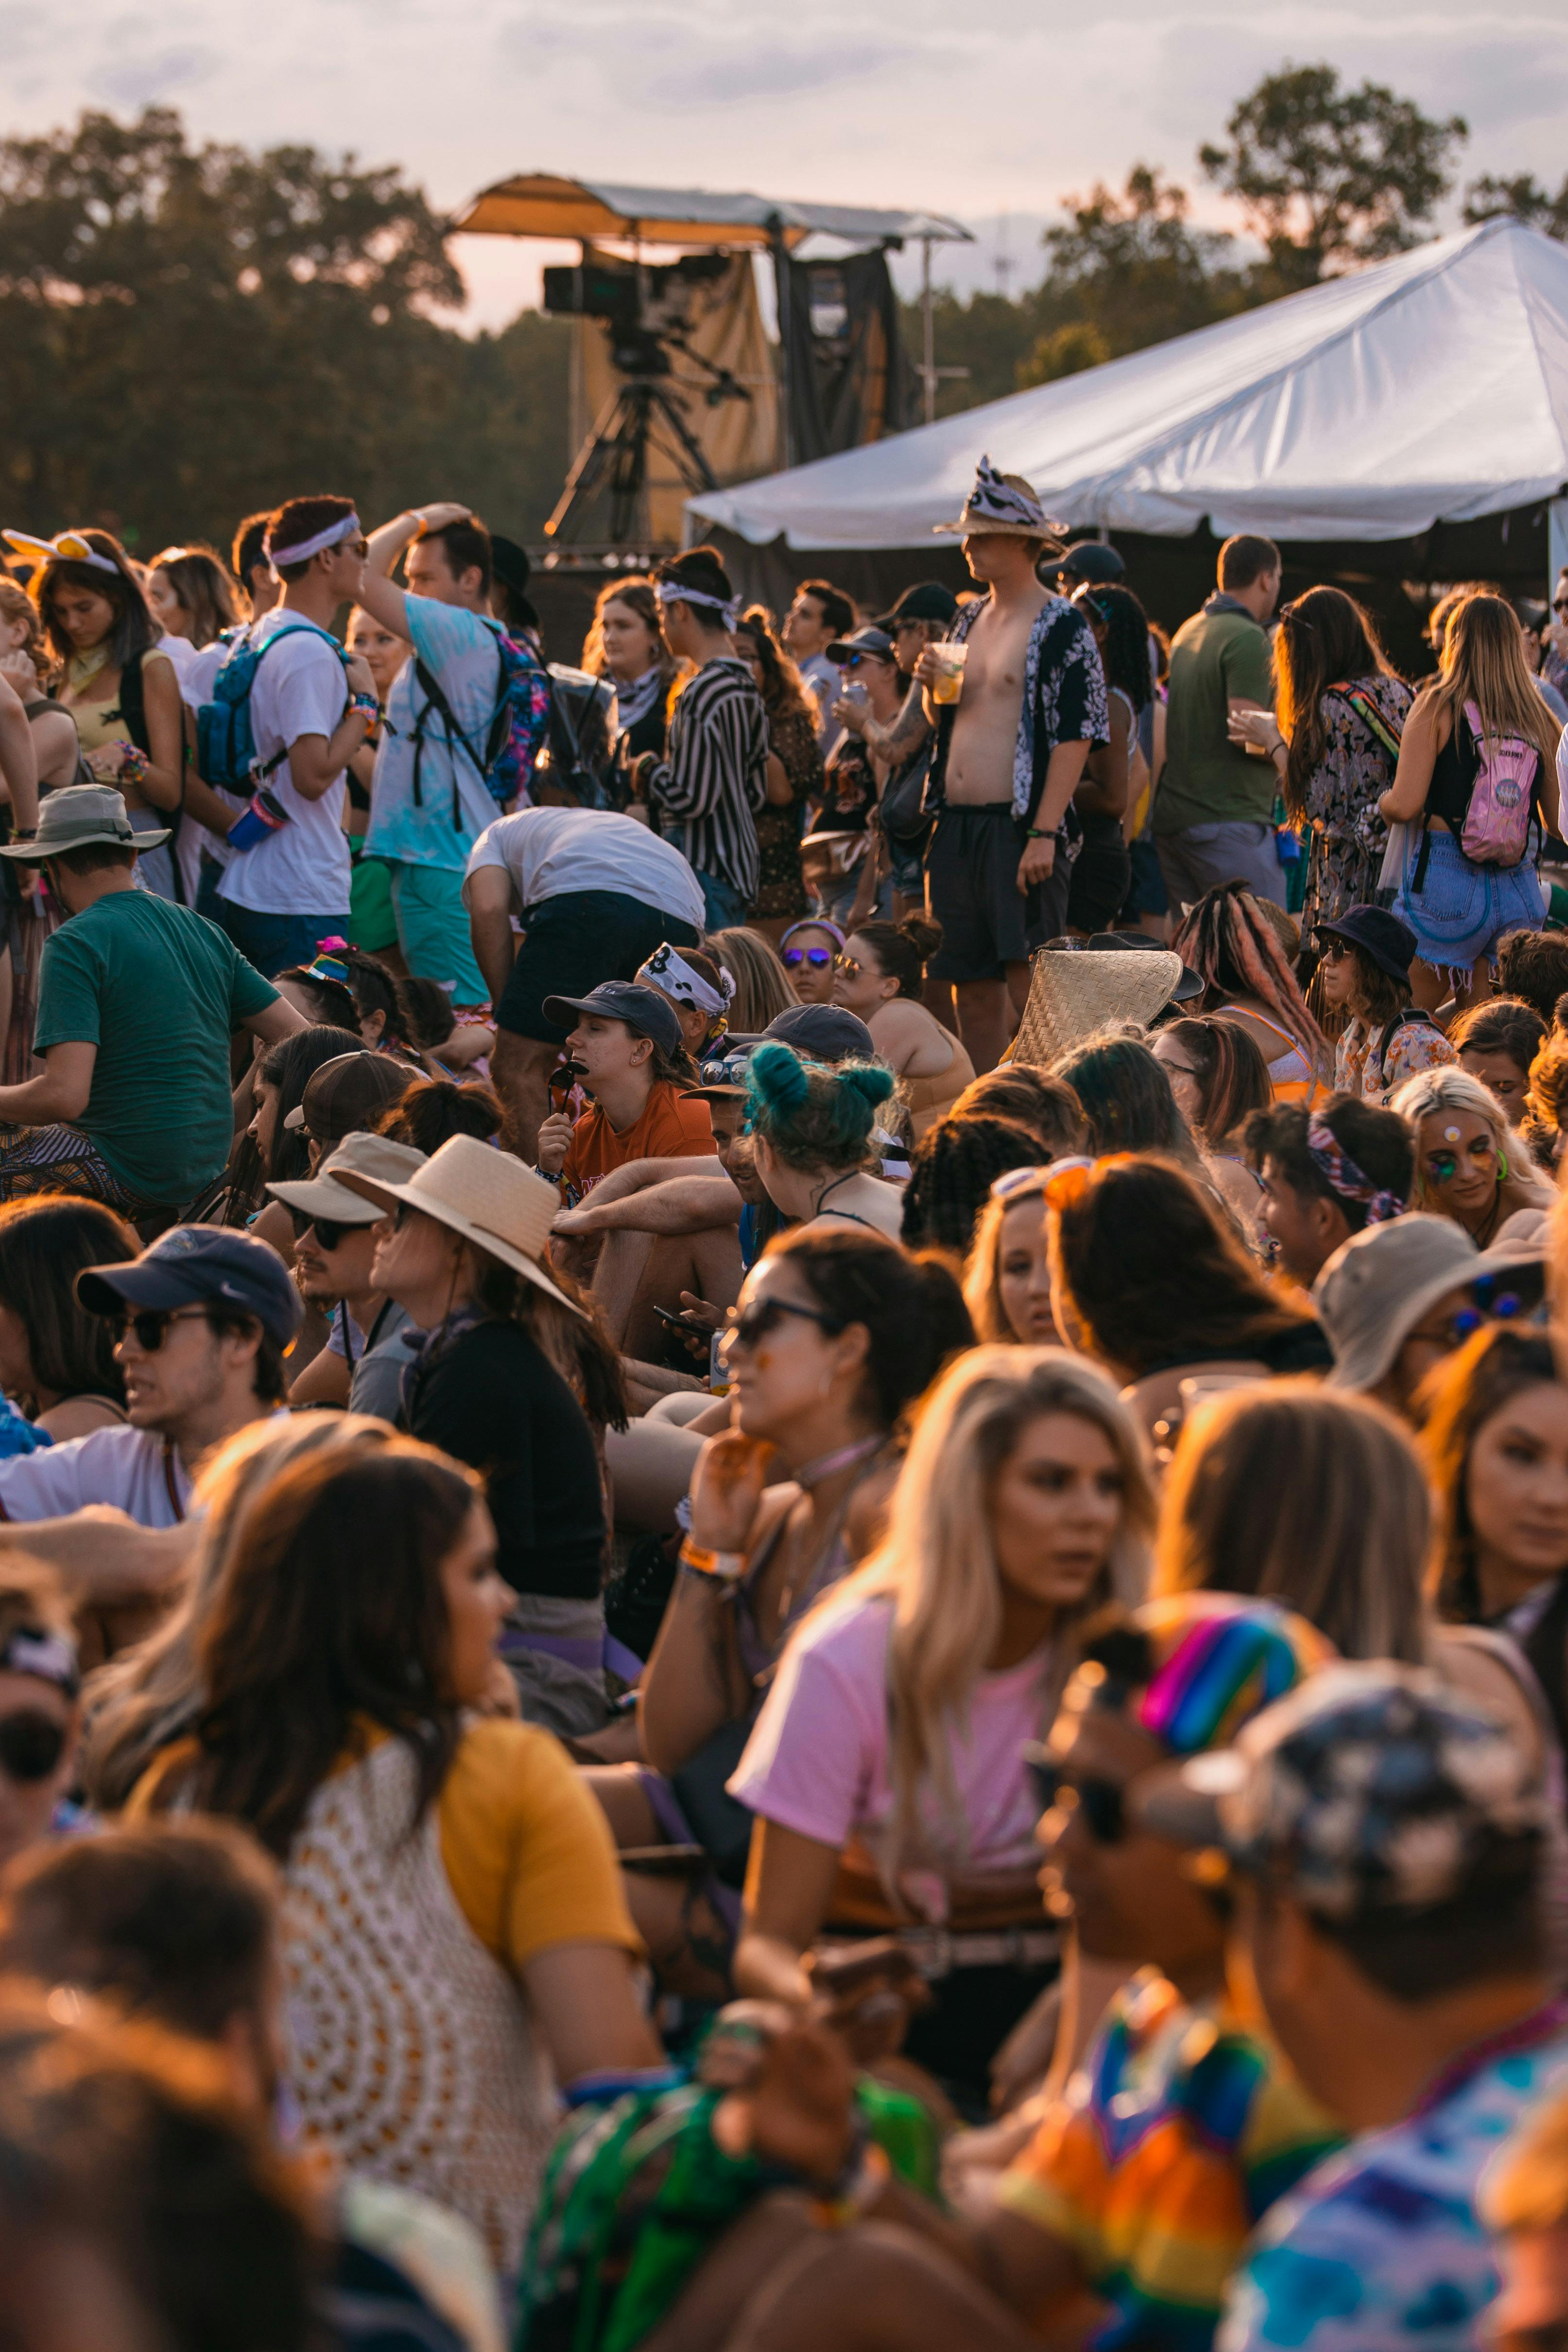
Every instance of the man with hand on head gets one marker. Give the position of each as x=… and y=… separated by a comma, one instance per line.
x=205, y=1317
x=116, y=1115
x=1008, y=757
x=431, y=795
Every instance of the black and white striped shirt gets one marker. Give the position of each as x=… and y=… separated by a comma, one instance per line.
x=715, y=776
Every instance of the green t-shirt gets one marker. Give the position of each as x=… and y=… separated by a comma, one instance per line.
x=159, y=990
x=1216, y=656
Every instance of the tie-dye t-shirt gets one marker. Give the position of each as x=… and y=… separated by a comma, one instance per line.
x=1176, y=2135
x=1381, y=2249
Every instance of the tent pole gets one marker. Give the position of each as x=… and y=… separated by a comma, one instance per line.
x=928, y=334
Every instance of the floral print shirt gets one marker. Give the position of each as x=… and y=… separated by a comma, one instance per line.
x=1360, y=1069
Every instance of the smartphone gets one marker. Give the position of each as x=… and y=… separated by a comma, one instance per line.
x=676, y=1322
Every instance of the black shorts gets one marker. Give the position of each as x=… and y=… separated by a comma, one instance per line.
x=971, y=889
x=570, y=943
x=1101, y=877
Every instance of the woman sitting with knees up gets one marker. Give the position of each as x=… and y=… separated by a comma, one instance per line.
x=887, y=1770
x=57, y=1361
x=515, y=1378
x=697, y=990
x=836, y=1335
x=1148, y=1277
x=1470, y=1165
x=455, y=1939
x=952, y=1170
x=879, y=977
x=627, y=1053
x=1219, y=1079
x=814, y=1141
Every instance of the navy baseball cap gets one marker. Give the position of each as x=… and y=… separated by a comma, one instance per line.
x=642, y=1009
x=1088, y=559
x=929, y=601
x=198, y=1265
x=825, y=1030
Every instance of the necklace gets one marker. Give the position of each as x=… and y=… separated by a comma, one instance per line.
x=822, y=1466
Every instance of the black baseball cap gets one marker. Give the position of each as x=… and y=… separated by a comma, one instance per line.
x=1089, y=558
x=864, y=640
x=1378, y=933
x=827, y=1032
x=642, y=1009
x=927, y=602
x=199, y=1265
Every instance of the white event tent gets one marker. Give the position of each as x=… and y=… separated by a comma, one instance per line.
x=1430, y=388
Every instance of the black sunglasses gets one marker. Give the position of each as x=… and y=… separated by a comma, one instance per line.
x=764, y=1315
x=327, y=1233
x=151, y=1325
x=1099, y=1803
x=31, y=1744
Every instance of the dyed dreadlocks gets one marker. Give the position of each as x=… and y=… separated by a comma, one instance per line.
x=1230, y=944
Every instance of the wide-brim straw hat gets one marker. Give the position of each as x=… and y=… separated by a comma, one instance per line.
x=1075, y=991
x=491, y=1198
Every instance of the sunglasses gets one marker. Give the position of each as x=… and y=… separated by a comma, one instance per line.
x=1097, y=1802
x=31, y=1744
x=851, y=966
x=1337, y=951
x=151, y=1325
x=1560, y=603
x=817, y=958
x=328, y=1231
x=750, y=1324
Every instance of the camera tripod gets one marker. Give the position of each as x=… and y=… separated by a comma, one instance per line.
x=639, y=415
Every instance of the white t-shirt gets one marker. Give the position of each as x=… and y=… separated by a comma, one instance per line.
x=824, y=682
x=303, y=868
x=193, y=841
x=550, y=852
x=138, y=1470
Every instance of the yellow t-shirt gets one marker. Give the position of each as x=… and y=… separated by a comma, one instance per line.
x=528, y=1851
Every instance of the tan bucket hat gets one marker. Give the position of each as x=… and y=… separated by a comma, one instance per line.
x=1379, y=1283
x=1074, y=992
x=486, y=1195
x=375, y=1156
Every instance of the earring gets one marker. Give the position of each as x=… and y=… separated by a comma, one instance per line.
x=1502, y=1167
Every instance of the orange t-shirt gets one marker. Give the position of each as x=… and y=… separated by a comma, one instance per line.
x=673, y=1126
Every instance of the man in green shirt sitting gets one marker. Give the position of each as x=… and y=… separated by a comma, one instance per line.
x=138, y=1000
x=1213, y=810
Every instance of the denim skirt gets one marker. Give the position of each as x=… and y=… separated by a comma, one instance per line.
x=1462, y=910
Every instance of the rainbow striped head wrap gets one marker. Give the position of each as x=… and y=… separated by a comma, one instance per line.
x=1219, y=1661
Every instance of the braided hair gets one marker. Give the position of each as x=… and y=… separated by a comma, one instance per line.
x=1229, y=942
x=951, y=1171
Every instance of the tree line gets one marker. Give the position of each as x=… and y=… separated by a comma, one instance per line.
x=189, y=332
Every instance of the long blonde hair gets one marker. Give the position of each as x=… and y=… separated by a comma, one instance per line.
x=152, y=1694
x=1430, y=1091
x=938, y=1564
x=1482, y=661
x=762, y=989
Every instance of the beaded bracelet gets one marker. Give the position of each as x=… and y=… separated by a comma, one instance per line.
x=133, y=764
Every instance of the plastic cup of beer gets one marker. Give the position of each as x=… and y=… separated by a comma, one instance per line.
x=949, y=682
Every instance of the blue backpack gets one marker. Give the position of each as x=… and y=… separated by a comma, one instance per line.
x=225, y=742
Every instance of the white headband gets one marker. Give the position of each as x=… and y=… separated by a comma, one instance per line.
x=670, y=592
x=70, y=547
x=310, y=547
x=667, y=971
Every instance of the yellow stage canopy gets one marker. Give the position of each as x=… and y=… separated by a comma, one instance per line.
x=538, y=203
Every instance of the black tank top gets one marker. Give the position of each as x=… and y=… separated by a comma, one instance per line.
x=1453, y=776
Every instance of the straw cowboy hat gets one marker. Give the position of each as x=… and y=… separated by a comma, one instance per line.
x=1073, y=991
x=486, y=1195
x=1006, y=503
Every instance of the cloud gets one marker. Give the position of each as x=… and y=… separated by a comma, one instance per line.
x=155, y=76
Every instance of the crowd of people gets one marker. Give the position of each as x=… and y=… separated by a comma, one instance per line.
x=784, y=1457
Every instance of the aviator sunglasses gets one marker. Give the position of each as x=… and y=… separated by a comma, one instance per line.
x=817, y=958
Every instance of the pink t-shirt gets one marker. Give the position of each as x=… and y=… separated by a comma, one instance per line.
x=817, y=1761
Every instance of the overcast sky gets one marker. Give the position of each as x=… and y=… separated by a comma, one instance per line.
x=979, y=113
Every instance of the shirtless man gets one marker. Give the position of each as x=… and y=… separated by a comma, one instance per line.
x=1009, y=756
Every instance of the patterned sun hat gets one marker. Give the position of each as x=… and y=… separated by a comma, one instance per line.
x=1370, y=1788
x=1007, y=504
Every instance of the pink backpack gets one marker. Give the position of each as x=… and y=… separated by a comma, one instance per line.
x=1502, y=798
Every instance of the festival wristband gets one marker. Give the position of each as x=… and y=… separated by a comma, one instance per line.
x=368, y=709
x=1041, y=833
x=719, y=1567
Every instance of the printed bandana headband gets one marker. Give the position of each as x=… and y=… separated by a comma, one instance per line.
x=666, y=969
x=70, y=547
x=349, y=528
x=998, y=501
x=1342, y=1176
x=670, y=592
